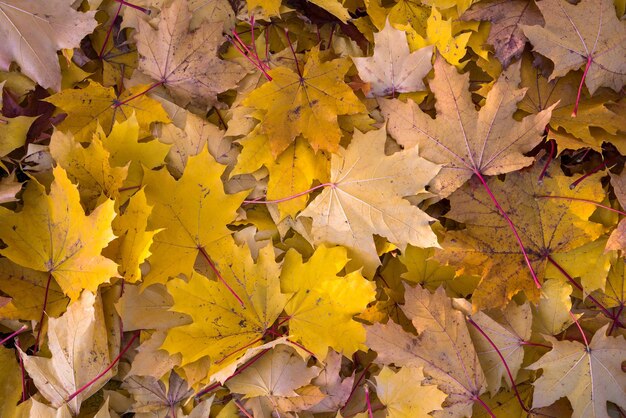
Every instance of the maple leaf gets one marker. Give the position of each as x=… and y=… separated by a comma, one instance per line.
x=305, y=102
x=589, y=375
x=507, y=18
x=96, y=104
x=467, y=142
x=187, y=210
x=548, y=227
x=404, y=395
x=185, y=63
x=508, y=330
x=323, y=304
x=292, y=172
x=34, y=31
x=231, y=325
x=127, y=148
x=443, y=348
x=78, y=343
x=365, y=197
x=279, y=373
x=153, y=396
x=51, y=233
x=440, y=33
x=392, y=69
x=587, y=33
x=593, y=112
x=88, y=167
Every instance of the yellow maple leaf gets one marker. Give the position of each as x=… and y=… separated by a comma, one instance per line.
x=589, y=375
x=195, y=213
x=306, y=102
x=412, y=13
x=51, y=233
x=324, y=303
x=13, y=132
x=440, y=33
x=551, y=315
x=229, y=315
x=95, y=104
x=548, y=227
x=405, y=395
x=197, y=134
x=292, y=172
x=127, y=149
x=366, y=198
x=88, y=167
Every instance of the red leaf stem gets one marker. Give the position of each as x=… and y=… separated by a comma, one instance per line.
x=580, y=87
x=117, y=104
x=593, y=171
x=532, y=344
x=511, y=225
x=285, y=199
x=485, y=406
x=242, y=409
x=238, y=371
x=579, y=329
x=367, y=401
x=579, y=199
x=113, y=363
x=356, y=385
x=548, y=161
x=14, y=334
x=506, y=365
x=579, y=287
x=108, y=35
x=219, y=276
x=134, y=6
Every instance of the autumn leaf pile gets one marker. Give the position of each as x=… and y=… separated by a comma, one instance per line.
x=322, y=208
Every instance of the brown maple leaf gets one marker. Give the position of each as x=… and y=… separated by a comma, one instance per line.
x=507, y=18
x=185, y=62
x=32, y=32
x=588, y=33
x=443, y=347
x=465, y=141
